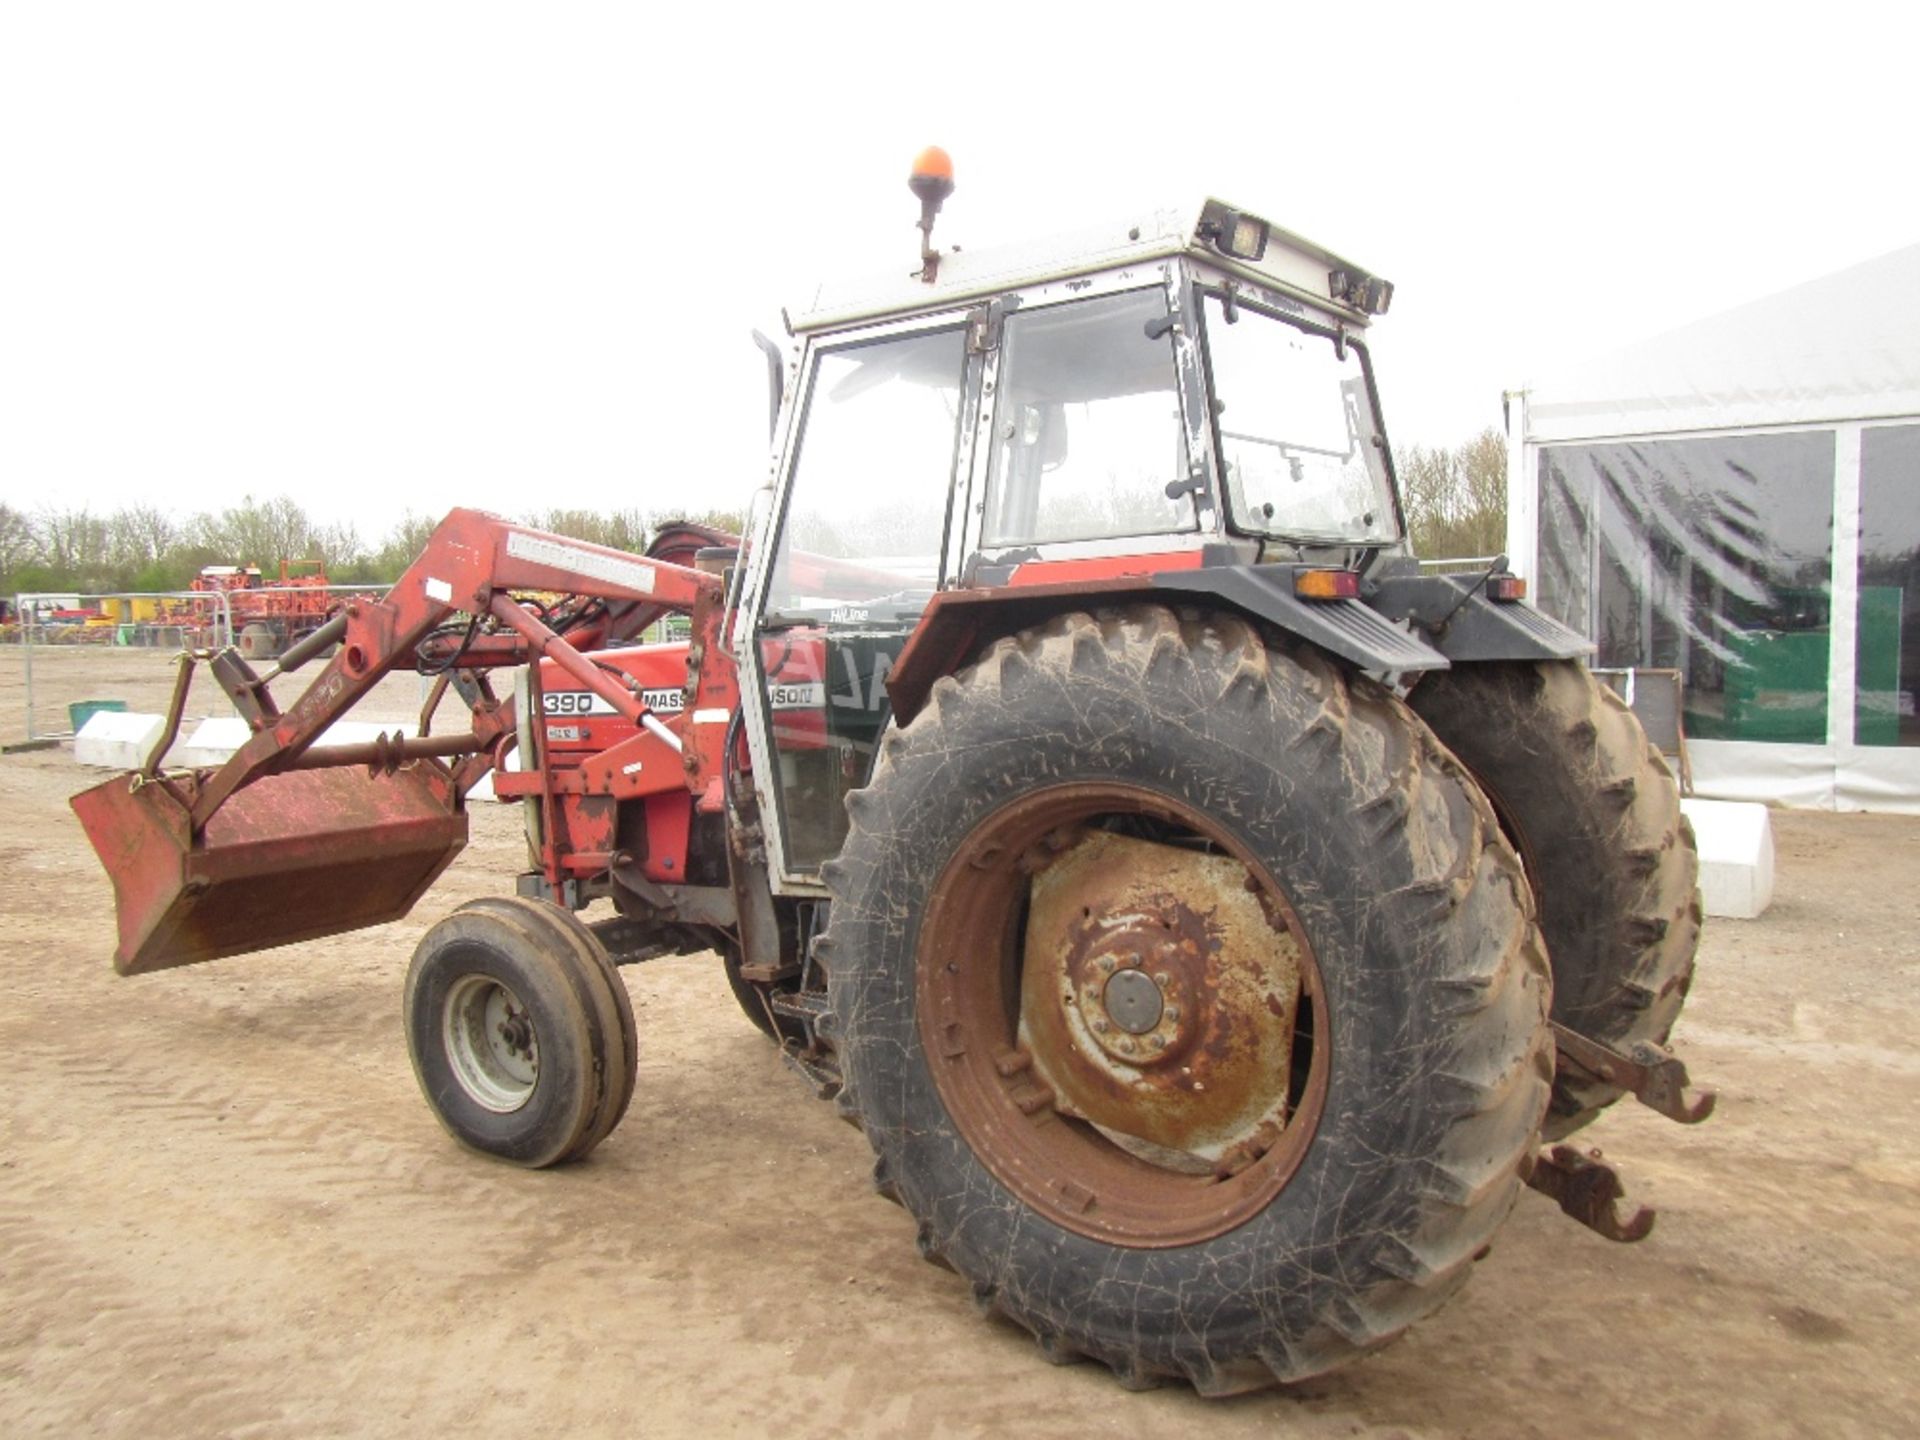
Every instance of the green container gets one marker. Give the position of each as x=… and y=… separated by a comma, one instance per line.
x=82, y=711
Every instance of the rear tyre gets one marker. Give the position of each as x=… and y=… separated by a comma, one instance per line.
x=1594, y=811
x=1035, y=1023
x=512, y=1039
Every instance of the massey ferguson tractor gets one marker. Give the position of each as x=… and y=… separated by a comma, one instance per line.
x=1212, y=920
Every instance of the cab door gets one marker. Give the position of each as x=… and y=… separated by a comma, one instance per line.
x=874, y=467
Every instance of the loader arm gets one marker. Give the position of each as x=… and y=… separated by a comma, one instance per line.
x=285, y=842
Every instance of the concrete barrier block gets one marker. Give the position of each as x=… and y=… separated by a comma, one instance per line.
x=358, y=732
x=1736, y=856
x=117, y=739
x=210, y=743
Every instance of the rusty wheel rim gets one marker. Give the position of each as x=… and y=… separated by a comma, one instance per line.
x=1073, y=1079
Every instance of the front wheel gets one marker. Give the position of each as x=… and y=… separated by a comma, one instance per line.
x=1189, y=998
x=520, y=1031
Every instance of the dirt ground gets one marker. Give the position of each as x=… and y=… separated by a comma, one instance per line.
x=224, y=1208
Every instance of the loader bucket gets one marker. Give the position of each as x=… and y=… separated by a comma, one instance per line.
x=290, y=857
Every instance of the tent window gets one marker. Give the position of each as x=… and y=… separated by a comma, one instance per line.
x=1887, y=654
x=1711, y=556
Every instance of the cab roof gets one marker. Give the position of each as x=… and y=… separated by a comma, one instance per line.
x=1284, y=262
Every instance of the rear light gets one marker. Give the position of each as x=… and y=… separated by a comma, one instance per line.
x=1506, y=588
x=1326, y=584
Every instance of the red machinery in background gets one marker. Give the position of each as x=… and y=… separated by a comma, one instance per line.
x=271, y=615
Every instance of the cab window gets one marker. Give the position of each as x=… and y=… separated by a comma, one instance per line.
x=1087, y=435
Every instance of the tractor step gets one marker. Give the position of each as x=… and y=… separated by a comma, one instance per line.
x=817, y=1067
x=810, y=1006
x=814, y=1061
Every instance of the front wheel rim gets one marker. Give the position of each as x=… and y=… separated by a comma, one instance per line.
x=1018, y=1064
x=490, y=1043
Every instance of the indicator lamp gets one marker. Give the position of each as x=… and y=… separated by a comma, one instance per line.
x=1326, y=584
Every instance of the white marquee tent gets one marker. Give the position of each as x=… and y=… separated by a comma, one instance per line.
x=1740, y=500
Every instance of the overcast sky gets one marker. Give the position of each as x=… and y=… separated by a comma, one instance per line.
x=396, y=256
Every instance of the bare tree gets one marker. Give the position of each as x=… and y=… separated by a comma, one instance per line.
x=1456, y=500
x=19, y=547
x=74, y=544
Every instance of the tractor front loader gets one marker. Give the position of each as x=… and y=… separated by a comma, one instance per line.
x=1211, y=918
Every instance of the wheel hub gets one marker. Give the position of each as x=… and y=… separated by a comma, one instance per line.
x=1134, y=985
x=490, y=1043
x=1037, y=948
x=1159, y=998
x=1133, y=1001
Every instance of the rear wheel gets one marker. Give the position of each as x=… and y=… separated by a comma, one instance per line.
x=1595, y=814
x=1189, y=998
x=516, y=1041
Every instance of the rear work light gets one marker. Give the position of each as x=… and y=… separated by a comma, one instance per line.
x=1234, y=232
x=1506, y=588
x=1326, y=584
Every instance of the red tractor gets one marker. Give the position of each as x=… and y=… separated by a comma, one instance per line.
x=1211, y=920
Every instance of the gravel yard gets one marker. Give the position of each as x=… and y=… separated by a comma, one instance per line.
x=225, y=1209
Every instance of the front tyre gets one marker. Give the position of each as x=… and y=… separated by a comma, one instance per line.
x=1189, y=998
x=520, y=1035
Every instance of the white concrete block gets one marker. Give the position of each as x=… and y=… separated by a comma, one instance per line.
x=211, y=742
x=1736, y=856
x=359, y=732
x=122, y=744
x=117, y=739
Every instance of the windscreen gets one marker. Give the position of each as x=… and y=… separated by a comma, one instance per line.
x=1302, y=451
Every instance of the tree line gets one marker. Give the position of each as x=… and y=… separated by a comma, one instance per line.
x=141, y=548
x=1455, y=501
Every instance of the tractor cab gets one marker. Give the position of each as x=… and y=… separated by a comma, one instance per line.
x=1186, y=388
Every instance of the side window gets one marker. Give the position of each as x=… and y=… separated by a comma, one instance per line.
x=857, y=561
x=867, y=510
x=1087, y=435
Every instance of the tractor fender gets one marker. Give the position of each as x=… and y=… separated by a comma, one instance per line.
x=1455, y=616
x=959, y=624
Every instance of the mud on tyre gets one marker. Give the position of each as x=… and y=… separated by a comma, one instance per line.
x=1081, y=1186
x=1593, y=809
